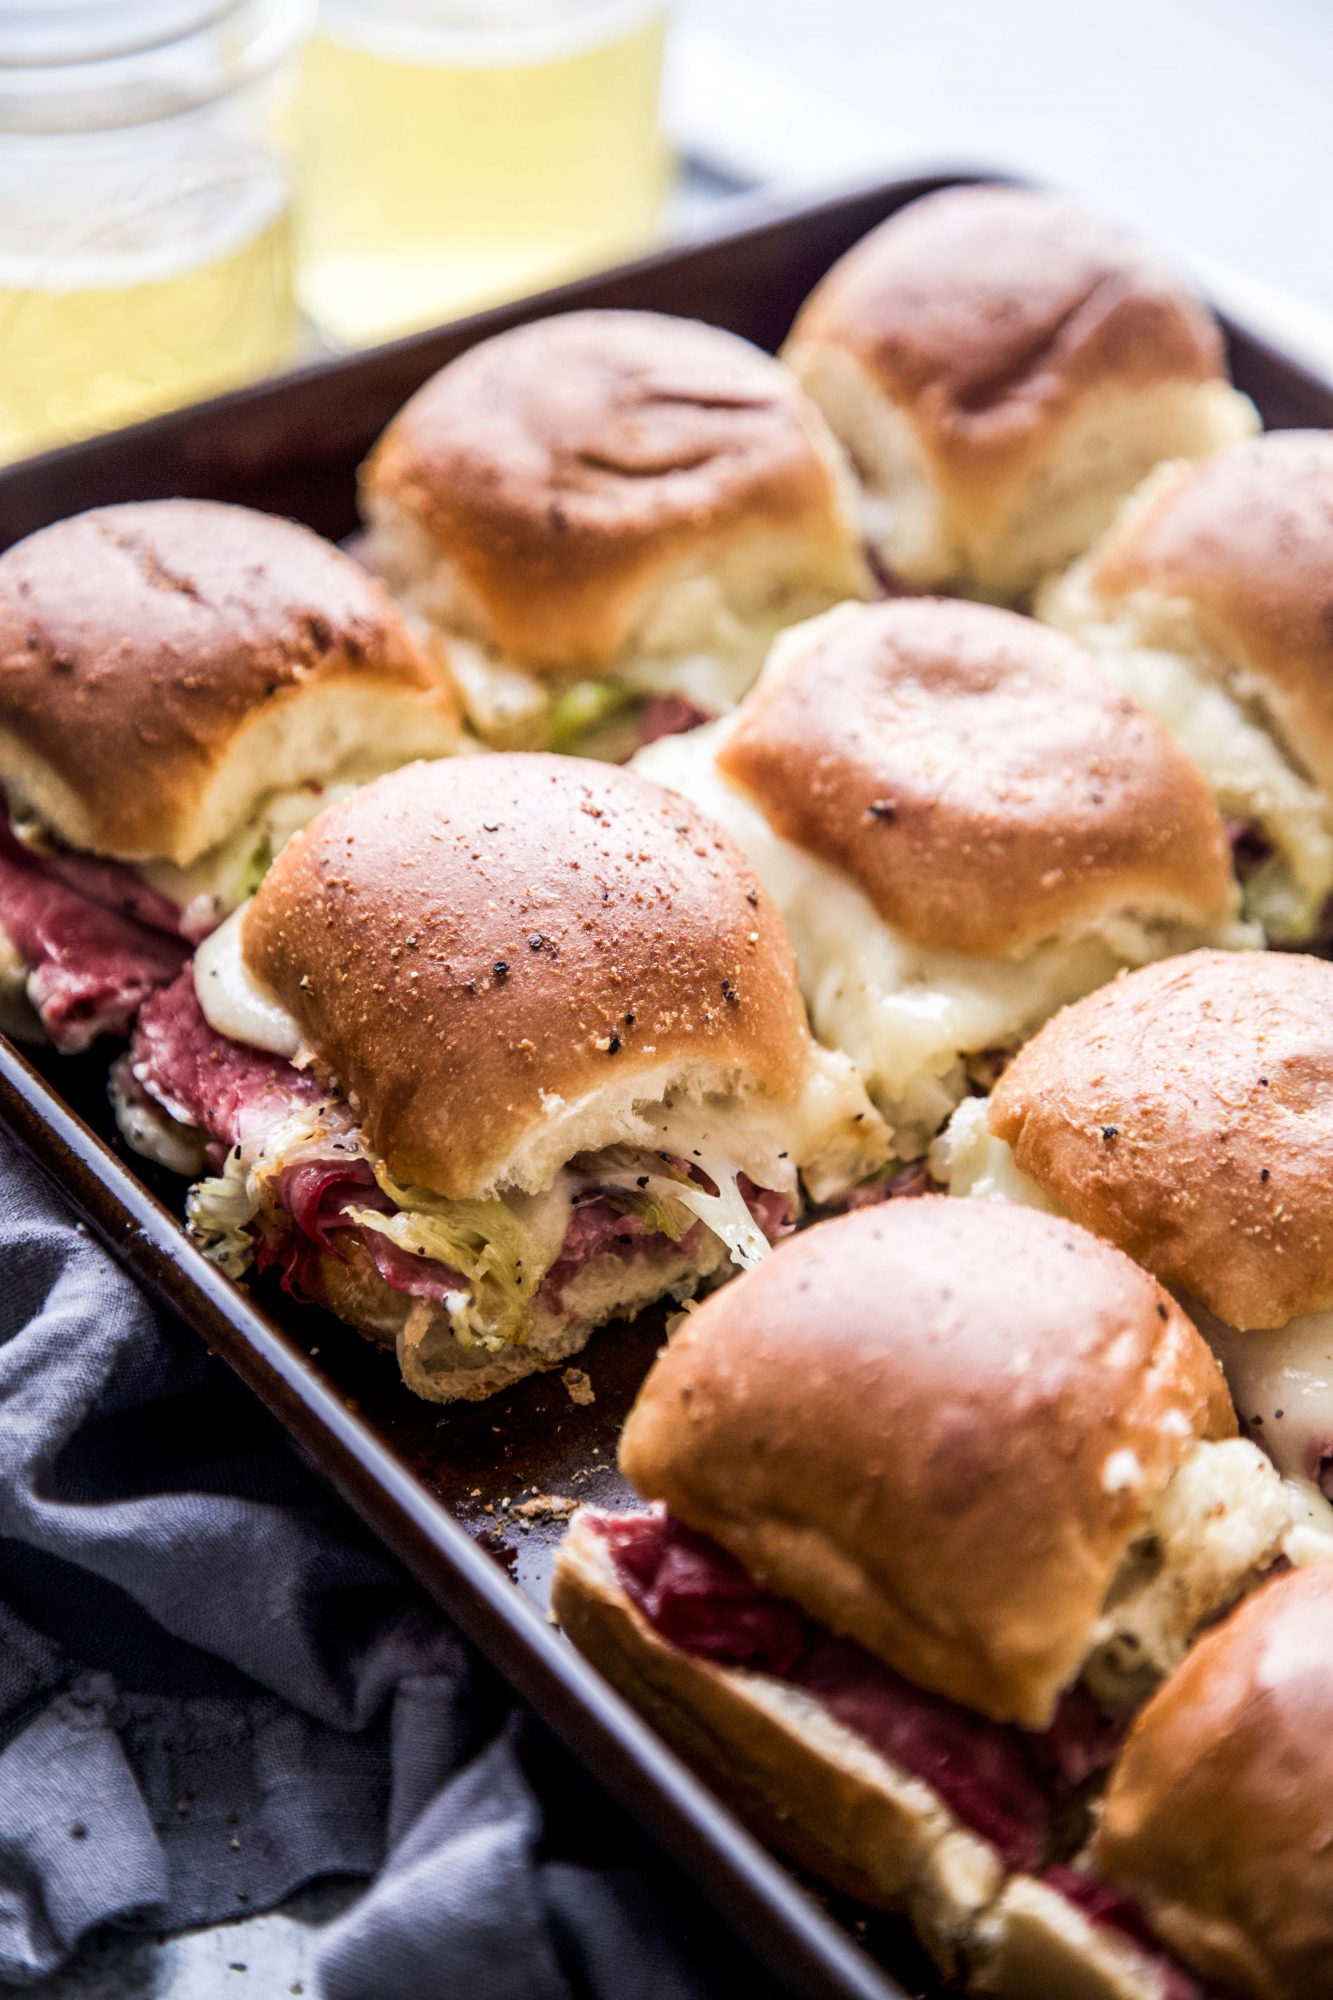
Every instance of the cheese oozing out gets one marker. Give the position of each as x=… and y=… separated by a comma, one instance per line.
x=702, y=635
x=1283, y=1376
x=830, y=1135
x=909, y=1015
x=1220, y=716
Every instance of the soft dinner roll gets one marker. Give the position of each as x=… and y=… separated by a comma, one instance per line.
x=505, y=1047
x=965, y=823
x=606, y=516
x=1002, y=368
x=1209, y=598
x=1185, y=1112
x=932, y=1471
x=1219, y=1816
x=181, y=685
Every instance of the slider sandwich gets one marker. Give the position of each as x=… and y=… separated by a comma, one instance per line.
x=504, y=1047
x=965, y=824
x=605, y=517
x=1215, y=1844
x=1208, y=598
x=940, y=1491
x=1002, y=368
x=181, y=685
x=1185, y=1113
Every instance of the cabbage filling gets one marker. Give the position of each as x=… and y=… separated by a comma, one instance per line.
x=500, y=1250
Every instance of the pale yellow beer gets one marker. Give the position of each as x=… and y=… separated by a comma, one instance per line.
x=456, y=155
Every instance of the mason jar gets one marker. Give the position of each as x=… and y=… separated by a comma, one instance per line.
x=456, y=152
x=145, y=206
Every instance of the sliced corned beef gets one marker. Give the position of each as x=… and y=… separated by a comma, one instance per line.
x=902, y=1185
x=231, y=1092
x=999, y=1780
x=225, y=1088
x=668, y=715
x=113, y=885
x=317, y=1195
x=90, y=968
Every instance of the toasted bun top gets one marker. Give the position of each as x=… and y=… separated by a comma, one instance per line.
x=568, y=466
x=1246, y=539
x=986, y=312
x=1185, y=1112
x=480, y=949
x=1219, y=1816
x=157, y=659
x=979, y=777
x=936, y=1425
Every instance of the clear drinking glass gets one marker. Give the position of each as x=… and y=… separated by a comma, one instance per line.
x=455, y=152
x=145, y=206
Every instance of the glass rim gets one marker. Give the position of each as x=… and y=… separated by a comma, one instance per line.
x=404, y=31
x=158, y=59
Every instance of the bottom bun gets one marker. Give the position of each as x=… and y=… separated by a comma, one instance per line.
x=1035, y=1942
x=806, y=1783
x=436, y=1365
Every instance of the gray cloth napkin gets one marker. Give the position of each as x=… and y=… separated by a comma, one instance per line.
x=215, y=1687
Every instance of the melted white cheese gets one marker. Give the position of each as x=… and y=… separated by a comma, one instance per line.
x=906, y=1014
x=234, y=1002
x=1242, y=763
x=968, y=1159
x=1282, y=1382
x=831, y=1134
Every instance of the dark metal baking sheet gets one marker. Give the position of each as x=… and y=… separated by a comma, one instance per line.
x=449, y=1489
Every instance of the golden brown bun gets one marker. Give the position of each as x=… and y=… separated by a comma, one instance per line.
x=1034, y=1944
x=936, y=1425
x=1183, y=1113
x=1245, y=540
x=1037, y=362
x=985, y=787
x=496, y=956
x=569, y=468
x=1219, y=1815
x=165, y=665
x=803, y=1780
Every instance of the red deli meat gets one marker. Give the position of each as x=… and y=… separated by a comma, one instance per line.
x=114, y=885
x=90, y=967
x=669, y=715
x=225, y=1088
x=1001, y=1781
x=230, y=1091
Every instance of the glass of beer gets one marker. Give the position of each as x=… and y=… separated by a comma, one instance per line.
x=145, y=206
x=457, y=152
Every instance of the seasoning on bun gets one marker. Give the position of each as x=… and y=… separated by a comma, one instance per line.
x=503, y=1047
x=181, y=685
x=606, y=516
x=965, y=824
x=1003, y=368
